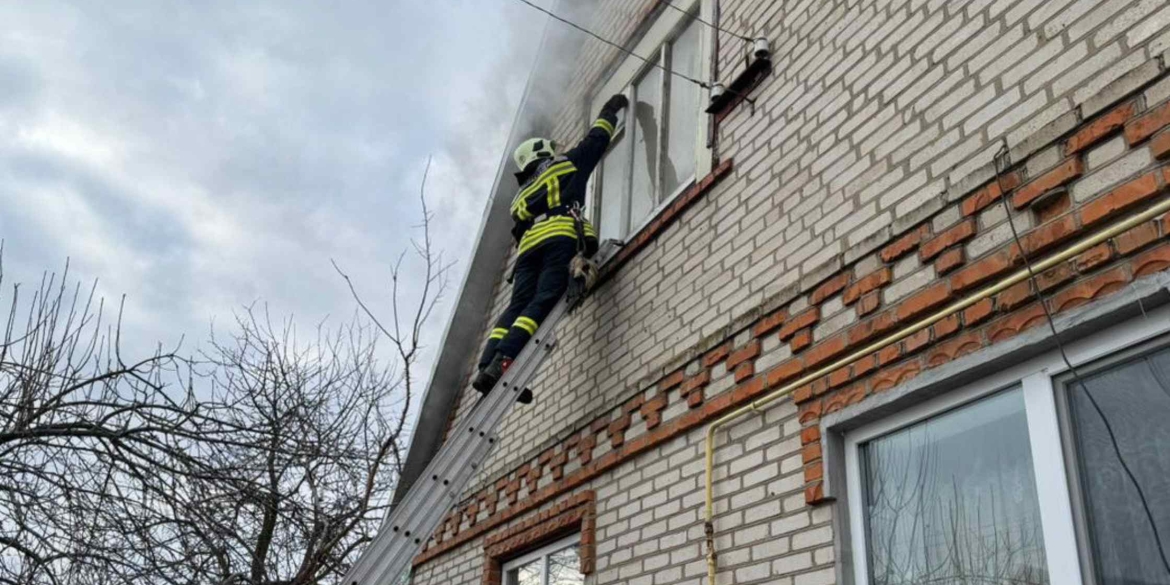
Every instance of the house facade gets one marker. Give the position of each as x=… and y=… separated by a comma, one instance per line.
x=849, y=269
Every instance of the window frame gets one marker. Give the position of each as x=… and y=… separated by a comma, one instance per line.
x=656, y=43
x=1066, y=549
x=542, y=553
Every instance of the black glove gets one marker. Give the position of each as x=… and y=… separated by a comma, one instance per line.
x=615, y=103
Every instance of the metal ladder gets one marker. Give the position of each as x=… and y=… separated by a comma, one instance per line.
x=409, y=526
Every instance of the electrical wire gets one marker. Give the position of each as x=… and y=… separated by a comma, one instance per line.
x=714, y=26
x=1002, y=161
x=697, y=82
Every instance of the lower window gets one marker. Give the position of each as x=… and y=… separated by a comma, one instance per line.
x=555, y=564
x=1032, y=476
x=1119, y=422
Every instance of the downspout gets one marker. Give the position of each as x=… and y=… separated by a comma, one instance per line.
x=763, y=402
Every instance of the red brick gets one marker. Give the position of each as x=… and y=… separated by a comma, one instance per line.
x=1099, y=129
x=946, y=327
x=1093, y=257
x=814, y=494
x=905, y=244
x=744, y=371
x=867, y=330
x=716, y=354
x=1067, y=171
x=810, y=453
x=866, y=284
x=769, y=323
x=988, y=194
x=671, y=381
x=801, y=340
x=889, y=353
x=890, y=377
x=1053, y=208
x=810, y=435
x=696, y=382
x=1136, y=238
x=920, y=302
x=803, y=393
x=978, y=312
x=949, y=260
x=865, y=365
x=830, y=287
x=984, y=269
x=1160, y=145
x=826, y=350
x=1152, y=261
x=695, y=399
x=958, y=234
x=806, y=318
x=785, y=372
x=814, y=472
x=917, y=341
x=1049, y=235
x=1015, y=296
x=954, y=349
x=839, y=377
x=1120, y=199
x=1090, y=289
x=1055, y=276
x=869, y=303
x=743, y=354
x=1146, y=125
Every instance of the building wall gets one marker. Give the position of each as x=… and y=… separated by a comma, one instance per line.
x=859, y=195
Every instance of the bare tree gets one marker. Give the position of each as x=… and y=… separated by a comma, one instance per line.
x=268, y=459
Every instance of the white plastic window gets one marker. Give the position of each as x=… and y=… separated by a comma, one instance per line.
x=658, y=147
x=1014, y=479
x=555, y=564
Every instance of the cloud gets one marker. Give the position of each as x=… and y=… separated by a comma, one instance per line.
x=200, y=158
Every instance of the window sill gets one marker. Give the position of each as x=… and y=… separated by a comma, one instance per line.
x=664, y=219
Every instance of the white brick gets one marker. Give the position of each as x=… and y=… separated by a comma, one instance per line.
x=1085, y=70
x=1112, y=174
x=822, y=577
x=1122, y=22
x=904, y=287
x=1104, y=153
x=813, y=537
x=753, y=572
x=1159, y=92
x=792, y=563
x=1117, y=74
x=1020, y=113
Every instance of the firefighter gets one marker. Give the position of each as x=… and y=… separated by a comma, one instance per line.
x=550, y=233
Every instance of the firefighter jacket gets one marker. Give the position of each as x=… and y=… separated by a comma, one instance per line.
x=540, y=210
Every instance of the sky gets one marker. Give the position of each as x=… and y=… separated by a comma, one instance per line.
x=202, y=157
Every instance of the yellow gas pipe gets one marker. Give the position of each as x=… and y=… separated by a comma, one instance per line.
x=1019, y=276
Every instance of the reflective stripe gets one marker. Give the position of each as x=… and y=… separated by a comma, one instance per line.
x=604, y=125
x=549, y=180
x=498, y=333
x=561, y=225
x=526, y=324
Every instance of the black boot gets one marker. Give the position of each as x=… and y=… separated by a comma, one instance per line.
x=491, y=373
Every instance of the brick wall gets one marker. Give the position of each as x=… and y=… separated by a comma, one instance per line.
x=861, y=197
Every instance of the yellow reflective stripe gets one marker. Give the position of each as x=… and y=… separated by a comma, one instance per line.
x=526, y=324
x=554, y=192
x=558, y=169
x=604, y=125
x=498, y=333
x=559, y=221
x=529, y=243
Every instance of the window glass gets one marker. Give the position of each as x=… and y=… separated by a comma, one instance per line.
x=614, y=179
x=644, y=124
x=952, y=500
x=563, y=568
x=526, y=574
x=1134, y=397
x=682, y=127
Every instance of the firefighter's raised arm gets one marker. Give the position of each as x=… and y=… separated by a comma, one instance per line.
x=589, y=151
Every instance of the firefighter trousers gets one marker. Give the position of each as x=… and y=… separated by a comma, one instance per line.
x=540, y=278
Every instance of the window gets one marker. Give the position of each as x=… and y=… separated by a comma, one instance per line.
x=556, y=564
x=1015, y=479
x=952, y=499
x=656, y=150
x=1133, y=397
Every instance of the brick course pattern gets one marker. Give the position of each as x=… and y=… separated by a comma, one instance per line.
x=862, y=196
